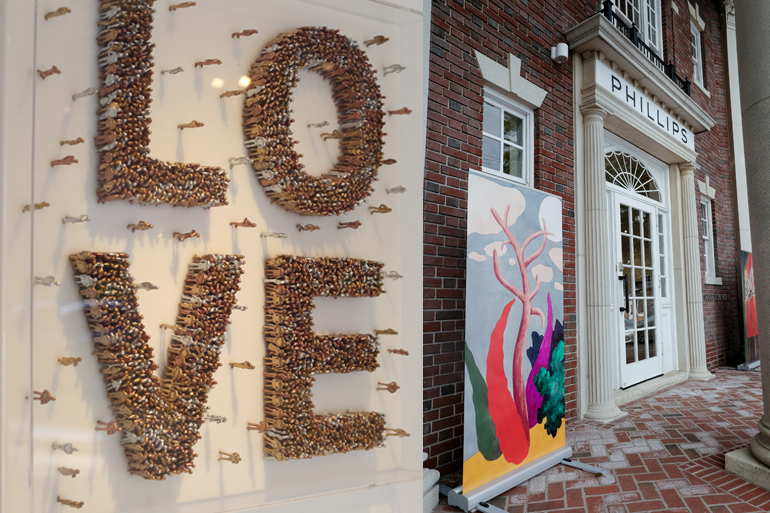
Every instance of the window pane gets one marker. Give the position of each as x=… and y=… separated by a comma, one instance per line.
x=512, y=161
x=513, y=129
x=490, y=153
x=492, y=120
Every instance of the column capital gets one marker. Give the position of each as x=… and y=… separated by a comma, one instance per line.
x=688, y=168
x=593, y=110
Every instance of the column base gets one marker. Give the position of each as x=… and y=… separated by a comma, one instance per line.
x=745, y=465
x=604, y=413
x=700, y=375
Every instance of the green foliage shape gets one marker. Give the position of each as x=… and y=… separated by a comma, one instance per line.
x=550, y=385
x=486, y=436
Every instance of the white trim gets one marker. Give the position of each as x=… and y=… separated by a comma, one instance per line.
x=707, y=235
x=528, y=137
x=509, y=80
x=712, y=280
x=697, y=58
x=695, y=16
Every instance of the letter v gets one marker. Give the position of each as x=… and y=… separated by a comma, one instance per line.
x=159, y=418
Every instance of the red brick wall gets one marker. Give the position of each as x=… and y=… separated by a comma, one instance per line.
x=722, y=319
x=527, y=29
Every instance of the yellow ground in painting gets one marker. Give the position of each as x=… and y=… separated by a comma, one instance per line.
x=477, y=470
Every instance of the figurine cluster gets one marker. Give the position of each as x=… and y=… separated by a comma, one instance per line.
x=267, y=122
x=126, y=171
x=159, y=418
x=294, y=353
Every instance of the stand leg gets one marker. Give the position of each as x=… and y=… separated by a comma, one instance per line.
x=583, y=466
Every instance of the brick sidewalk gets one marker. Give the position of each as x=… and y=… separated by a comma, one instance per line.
x=666, y=456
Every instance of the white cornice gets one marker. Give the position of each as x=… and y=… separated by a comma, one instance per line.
x=597, y=34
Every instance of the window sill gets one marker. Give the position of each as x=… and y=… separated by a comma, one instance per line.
x=703, y=89
x=713, y=280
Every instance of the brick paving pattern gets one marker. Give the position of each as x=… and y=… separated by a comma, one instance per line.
x=667, y=455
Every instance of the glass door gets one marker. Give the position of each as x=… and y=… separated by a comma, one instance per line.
x=638, y=255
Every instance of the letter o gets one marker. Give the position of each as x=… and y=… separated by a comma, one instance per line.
x=267, y=122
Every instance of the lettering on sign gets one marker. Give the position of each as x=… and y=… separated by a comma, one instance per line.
x=634, y=98
x=715, y=297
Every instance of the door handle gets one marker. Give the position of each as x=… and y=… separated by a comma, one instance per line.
x=624, y=278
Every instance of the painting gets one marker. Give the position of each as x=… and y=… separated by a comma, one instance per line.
x=514, y=353
x=750, y=330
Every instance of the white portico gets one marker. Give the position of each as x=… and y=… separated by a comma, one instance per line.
x=640, y=312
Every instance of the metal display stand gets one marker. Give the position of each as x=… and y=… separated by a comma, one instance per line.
x=477, y=499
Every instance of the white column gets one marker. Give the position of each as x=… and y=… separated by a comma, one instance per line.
x=692, y=275
x=751, y=18
x=602, y=349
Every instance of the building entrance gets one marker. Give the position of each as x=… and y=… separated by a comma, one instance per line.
x=639, y=248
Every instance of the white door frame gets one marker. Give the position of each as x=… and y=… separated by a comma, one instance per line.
x=665, y=314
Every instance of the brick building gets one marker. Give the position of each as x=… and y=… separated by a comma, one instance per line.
x=635, y=125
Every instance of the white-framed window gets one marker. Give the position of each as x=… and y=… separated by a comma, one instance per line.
x=697, y=57
x=707, y=233
x=508, y=144
x=645, y=14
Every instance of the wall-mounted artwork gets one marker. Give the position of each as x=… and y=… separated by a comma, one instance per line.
x=514, y=356
x=750, y=330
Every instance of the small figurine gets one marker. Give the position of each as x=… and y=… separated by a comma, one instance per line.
x=398, y=189
x=389, y=331
x=172, y=71
x=245, y=33
x=44, y=397
x=67, y=502
x=146, y=285
x=181, y=237
x=237, y=161
x=388, y=162
x=67, y=448
x=110, y=427
x=216, y=418
x=241, y=308
x=308, y=227
x=242, y=365
x=399, y=351
x=403, y=110
x=72, y=142
x=376, y=40
x=318, y=125
x=69, y=471
x=48, y=281
x=141, y=225
x=191, y=124
x=354, y=225
x=79, y=219
x=181, y=6
x=390, y=387
x=61, y=11
x=393, y=68
x=232, y=457
x=69, y=360
x=66, y=161
x=382, y=209
x=244, y=224
x=85, y=92
x=208, y=62
x=38, y=206
x=261, y=426
x=234, y=92
x=336, y=134
x=275, y=235
x=396, y=432
x=47, y=73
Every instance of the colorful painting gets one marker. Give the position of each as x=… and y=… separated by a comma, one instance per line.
x=514, y=353
x=750, y=329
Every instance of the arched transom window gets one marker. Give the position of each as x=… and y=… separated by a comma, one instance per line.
x=627, y=172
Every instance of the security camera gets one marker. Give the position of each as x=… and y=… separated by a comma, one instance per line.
x=560, y=53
